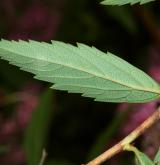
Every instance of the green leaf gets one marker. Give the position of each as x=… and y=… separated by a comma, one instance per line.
x=157, y=158
x=123, y=2
x=82, y=69
x=141, y=158
x=37, y=130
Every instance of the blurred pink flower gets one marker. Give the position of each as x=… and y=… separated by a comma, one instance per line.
x=139, y=112
x=154, y=72
x=154, y=62
x=12, y=127
x=151, y=140
x=38, y=22
x=29, y=97
x=7, y=130
x=16, y=156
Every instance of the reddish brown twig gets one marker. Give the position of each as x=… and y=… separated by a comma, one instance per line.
x=127, y=140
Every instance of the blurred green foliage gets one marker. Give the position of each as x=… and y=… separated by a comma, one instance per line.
x=37, y=131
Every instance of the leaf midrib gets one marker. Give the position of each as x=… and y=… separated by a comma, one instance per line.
x=65, y=47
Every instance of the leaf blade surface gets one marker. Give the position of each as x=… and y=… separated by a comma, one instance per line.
x=82, y=69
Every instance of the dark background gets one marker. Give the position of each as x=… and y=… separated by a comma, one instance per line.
x=80, y=129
